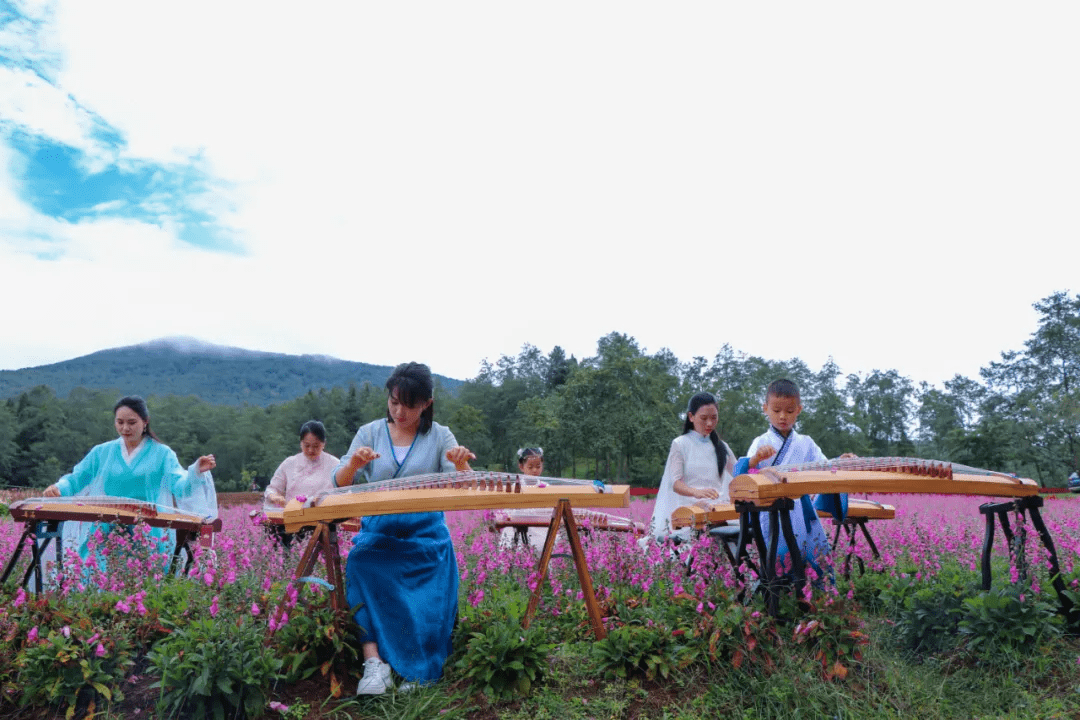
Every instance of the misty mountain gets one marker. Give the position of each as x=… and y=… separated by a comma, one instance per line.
x=185, y=366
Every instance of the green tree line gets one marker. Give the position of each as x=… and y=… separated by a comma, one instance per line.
x=614, y=415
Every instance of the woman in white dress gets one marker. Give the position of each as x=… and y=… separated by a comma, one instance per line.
x=699, y=467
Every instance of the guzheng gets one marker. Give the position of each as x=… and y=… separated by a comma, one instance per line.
x=774, y=487
x=124, y=511
x=876, y=475
x=275, y=515
x=586, y=520
x=466, y=490
x=705, y=516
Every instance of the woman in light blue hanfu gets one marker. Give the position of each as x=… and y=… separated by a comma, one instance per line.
x=137, y=466
x=402, y=570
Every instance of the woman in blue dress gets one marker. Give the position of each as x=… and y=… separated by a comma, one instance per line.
x=402, y=570
x=137, y=466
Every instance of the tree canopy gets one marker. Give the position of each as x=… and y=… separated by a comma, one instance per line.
x=615, y=414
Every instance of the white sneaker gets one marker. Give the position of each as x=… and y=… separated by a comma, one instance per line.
x=407, y=687
x=376, y=678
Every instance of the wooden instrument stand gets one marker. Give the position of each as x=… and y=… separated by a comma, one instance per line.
x=324, y=541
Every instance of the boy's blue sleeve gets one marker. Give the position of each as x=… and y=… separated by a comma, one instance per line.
x=833, y=503
x=742, y=466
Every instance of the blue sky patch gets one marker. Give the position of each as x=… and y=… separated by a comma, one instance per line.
x=64, y=182
x=56, y=183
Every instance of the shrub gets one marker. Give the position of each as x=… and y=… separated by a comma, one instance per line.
x=505, y=660
x=834, y=636
x=1008, y=619
x=317, y=638
x=927, y=612
x=64, y=668
x=635, y=649
x=215, y=669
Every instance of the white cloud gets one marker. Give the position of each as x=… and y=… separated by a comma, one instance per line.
x=445, y=182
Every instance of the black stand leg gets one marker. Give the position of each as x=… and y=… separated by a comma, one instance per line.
x=798, y=565
x=1031, y=505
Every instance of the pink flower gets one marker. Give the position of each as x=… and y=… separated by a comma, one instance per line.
x=275, y=705
x=20, y=598
x=32, y=635
x=254, y=609
x=208, y=578
x=99, y=651
x=66, y=631
x=214, y=607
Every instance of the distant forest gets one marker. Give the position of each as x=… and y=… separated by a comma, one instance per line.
x=614, y=415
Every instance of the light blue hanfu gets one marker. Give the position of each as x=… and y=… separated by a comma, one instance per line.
x=151, y=473
x=402, y=568
x=809, y=533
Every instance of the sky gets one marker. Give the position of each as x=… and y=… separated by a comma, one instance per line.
x=890, y=185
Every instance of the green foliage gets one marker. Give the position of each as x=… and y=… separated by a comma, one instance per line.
x=215, y=669
x=317, y=638
x=1008, y=619
x=835, y=637
x=505, y=660
x=637, y=650
x=928, y=611
x=64, y=666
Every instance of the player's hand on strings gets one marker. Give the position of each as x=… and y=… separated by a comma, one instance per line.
x=206, y=463
x=362, y=457
x=764, y=453
x=52, y=491
x=848, y=456
x=460, y=456
x=706, y=493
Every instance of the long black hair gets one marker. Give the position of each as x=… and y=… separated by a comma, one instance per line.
x=137, y=405
x=414, y=386
x=696, y=403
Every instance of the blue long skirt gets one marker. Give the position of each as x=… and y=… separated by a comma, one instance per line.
x=403, y=570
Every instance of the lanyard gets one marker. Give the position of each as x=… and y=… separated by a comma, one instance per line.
x=400, y=465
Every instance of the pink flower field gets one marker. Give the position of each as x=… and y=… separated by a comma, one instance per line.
x=239, y=618
x=929, y=532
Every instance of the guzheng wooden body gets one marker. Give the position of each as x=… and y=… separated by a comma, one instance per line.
x=122, y=511
x=469, y=490
x=276, y=516
x=876, y=475
x=586, y=520
x=702, y=518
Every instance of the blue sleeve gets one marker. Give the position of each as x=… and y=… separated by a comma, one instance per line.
x=361, y=439
x=742, y=466
x=82, y=474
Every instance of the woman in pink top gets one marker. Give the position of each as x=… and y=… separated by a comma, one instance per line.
x=305, y=474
